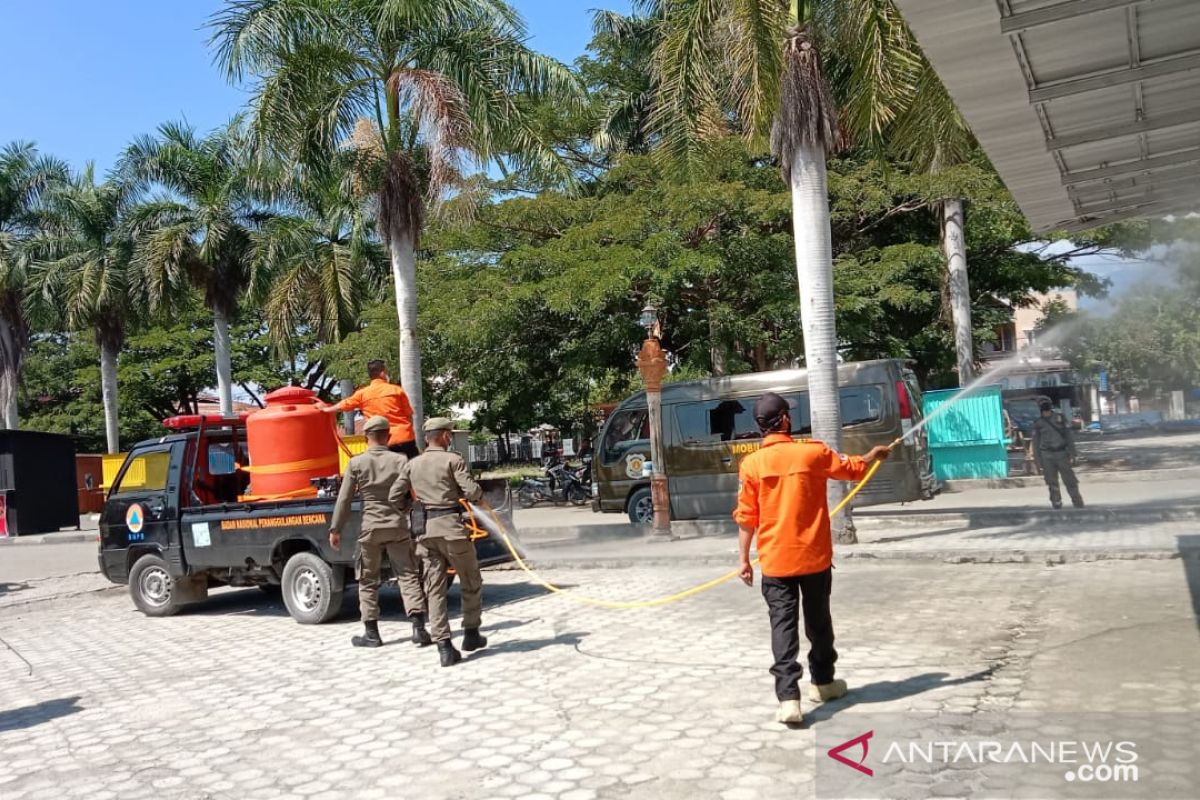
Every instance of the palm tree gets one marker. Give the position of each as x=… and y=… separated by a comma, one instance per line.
x=432, y=82
x=83, y=272
x=24, y=179
x=316, y=260
x=625, y=104
x=198, y=232
x=767, y=52
x=931, y=135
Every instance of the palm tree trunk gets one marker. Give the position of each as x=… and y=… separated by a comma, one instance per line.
x=404, y=273
x=955, y=247
x=8, y=393
x=108, y=392
x=347, y=388
x=10, y=371
x=814, y=269
x=223, y=350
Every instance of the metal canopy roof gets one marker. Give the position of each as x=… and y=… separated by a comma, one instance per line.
x=1089, y=109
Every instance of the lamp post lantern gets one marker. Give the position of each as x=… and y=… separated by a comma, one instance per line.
x=652, y=363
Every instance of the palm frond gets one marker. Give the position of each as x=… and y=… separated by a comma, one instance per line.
x=875, y=64
x=687, y=110
x=757, y=33
x=440, y=113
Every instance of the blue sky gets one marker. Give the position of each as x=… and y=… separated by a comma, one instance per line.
x=82, y=77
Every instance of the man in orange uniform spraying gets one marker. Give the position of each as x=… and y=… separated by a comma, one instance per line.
x=384, y=399
x=782, y=501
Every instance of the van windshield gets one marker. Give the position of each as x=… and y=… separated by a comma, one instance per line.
x=624, y=430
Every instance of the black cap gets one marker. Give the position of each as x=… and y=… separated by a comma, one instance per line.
x=769, y=410
x=1045, y=404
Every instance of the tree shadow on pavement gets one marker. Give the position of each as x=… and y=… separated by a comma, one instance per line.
x=569, y=639
x=888, y=691
x=29, y=716
x=1189, y=554
x=8, y=588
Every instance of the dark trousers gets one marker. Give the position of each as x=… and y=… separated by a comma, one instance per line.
x=786, y=598
x=408, y=448
x=1056, y=464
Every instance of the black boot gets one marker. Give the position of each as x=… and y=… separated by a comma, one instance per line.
x=448, y=654
x=420, y=636
x=472, y=640
x=370, y=637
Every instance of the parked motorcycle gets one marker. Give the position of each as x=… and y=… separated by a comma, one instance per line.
x=560, y=485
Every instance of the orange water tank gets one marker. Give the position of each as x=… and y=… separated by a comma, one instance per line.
x=290, y=441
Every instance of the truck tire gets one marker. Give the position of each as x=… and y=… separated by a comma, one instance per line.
x=308, y=589
x=152, y=587
x=641, y=507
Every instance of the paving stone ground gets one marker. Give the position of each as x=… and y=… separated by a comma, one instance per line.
x=235, y=700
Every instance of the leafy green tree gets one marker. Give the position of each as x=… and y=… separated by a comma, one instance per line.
x=84, y=274
x=1150, y=342
x=426, y=83
x=197, y=234
x=25, y=177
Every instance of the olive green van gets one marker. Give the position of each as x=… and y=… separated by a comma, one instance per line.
x=708, y=426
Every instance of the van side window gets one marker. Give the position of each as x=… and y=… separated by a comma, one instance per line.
x=861, y=404
x=145, y=473
x=625, y=428
x=716, y=421
x=800, y=412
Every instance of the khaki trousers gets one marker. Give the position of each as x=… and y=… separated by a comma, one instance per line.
x=437, y=555
x=399, y=548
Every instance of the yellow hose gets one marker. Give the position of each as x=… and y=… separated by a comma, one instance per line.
x=657, y=601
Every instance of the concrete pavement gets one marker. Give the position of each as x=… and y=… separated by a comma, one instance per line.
x=234, y=700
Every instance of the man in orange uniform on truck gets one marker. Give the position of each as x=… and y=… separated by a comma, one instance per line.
x=782, y=500
x=383, y=398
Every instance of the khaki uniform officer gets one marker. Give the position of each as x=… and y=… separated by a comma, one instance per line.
x=1054, y=450
x=439, y=479
x=378, y=474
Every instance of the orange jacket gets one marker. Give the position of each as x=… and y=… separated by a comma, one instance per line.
x=782, y=499
x=386, y=400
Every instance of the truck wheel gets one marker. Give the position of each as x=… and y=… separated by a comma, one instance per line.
x=308, y=589
x=152, y=587
x=641, y=507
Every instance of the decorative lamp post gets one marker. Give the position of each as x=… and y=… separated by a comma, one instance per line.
x=652, y=363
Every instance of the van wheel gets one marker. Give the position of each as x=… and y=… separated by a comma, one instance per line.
x=152, y=587
x=308, y=591
x=641, y=507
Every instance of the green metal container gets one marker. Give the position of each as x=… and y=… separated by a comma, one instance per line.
x=967, y=440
